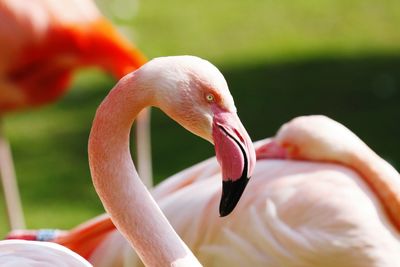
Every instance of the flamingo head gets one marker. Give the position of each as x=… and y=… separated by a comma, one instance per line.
x=195, y=94
x=316, y=138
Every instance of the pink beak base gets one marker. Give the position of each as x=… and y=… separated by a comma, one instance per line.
x=236, y=155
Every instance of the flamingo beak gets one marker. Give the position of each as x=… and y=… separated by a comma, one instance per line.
x=236, y=155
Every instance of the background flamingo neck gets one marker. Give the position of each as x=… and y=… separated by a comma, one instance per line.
x=383, y=179
x=126, y=199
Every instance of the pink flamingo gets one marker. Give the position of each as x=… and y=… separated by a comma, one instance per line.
x=41, y=43
x=318, y=197
x=194, y=93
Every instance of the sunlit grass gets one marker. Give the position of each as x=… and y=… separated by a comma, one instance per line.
x=237, y=31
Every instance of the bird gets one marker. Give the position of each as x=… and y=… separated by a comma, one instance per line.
x=194, y=93
x=35, y=253
x=319, y=196
x=42, y=42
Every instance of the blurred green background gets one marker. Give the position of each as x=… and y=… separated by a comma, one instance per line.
x=281, y=59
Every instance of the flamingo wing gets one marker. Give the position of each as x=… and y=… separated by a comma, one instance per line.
x=34, y=253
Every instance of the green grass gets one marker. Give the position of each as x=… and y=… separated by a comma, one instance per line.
x=255, y=30
x=281, y=59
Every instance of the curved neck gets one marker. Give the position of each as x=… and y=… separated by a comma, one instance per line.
x=126, y=199
x=383, y=179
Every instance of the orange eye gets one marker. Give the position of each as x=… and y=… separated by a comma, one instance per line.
x=210, y=97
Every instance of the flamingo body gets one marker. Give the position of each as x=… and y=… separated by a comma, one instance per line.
x=33, y=254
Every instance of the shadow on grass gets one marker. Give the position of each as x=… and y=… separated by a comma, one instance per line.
x=362, y=93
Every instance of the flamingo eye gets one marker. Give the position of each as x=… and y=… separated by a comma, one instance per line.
x=210, y=98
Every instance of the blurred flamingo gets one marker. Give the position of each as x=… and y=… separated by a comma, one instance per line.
x=41, y=43
x=319, y=196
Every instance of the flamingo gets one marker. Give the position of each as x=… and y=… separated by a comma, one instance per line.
x=319, y=196
x=194, y=93
x=41, y=43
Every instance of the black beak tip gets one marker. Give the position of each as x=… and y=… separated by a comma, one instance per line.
x=231, y=193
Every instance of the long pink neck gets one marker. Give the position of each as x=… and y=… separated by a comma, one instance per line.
x=117, y=183
x=383, y=179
